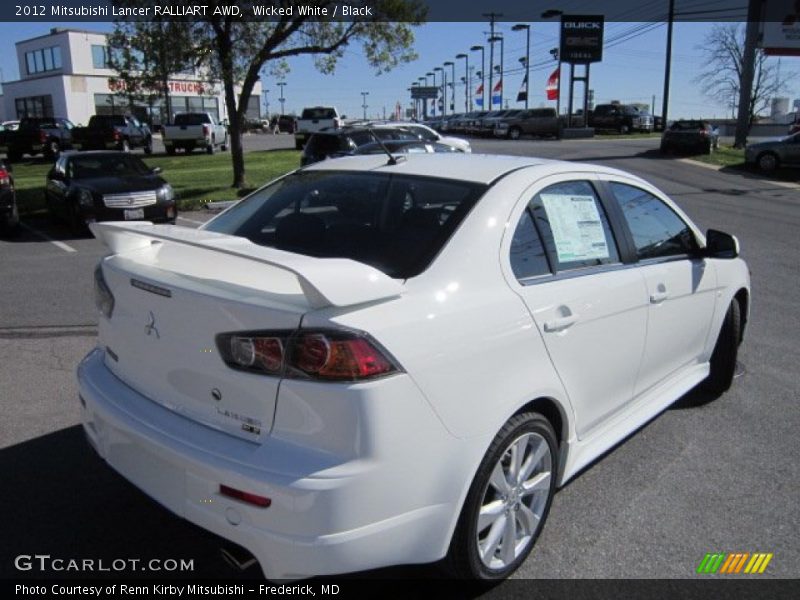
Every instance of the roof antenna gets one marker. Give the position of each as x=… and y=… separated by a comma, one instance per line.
x=393, y=160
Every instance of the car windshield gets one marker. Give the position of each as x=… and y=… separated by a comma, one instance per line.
x=108, y=165
x=395, y=223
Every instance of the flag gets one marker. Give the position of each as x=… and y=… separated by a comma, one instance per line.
x=522, y=95
x=479, y=95
x=497, y=92
x=552, y=85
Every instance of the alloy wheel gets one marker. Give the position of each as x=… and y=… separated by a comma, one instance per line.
x=514, y=501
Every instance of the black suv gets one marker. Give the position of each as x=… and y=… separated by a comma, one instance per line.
x=340, y=142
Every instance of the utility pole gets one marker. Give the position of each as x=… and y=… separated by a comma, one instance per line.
x=668, y=63
x=492, y=16
x=748, y=73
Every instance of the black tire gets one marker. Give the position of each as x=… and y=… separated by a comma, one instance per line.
x=708, y=148
x=211, y=148
x=624, y=129
x=664, y=148
x=224, y=146
x=726, y=351
x=767, y=162
x=125, y=146
x=77, y=226
x=148, y=146
x=463, y=560
x=298, y=145
x=514, y=133
x=170, y=150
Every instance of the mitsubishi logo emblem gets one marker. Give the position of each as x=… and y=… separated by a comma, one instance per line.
x=151, y=328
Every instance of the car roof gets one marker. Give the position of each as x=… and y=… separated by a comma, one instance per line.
x=477, y=168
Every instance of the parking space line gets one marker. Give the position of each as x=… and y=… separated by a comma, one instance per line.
x=47, y=238
x=192, y=221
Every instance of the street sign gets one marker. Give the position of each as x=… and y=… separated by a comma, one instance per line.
x=780, y=28
x=424, y=92
x=581, y=38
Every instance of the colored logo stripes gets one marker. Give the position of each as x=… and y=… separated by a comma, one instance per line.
x=734, y=562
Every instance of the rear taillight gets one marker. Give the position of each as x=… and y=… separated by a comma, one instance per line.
x=103, y=298
x=206, y=130
x=5, y=178
x=704, y=133
x=248, y=497
x=329, y=355
x=43, y=136
x=117, y=136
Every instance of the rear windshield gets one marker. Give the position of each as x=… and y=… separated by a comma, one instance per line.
x=685, y=125
x=191, y=119
x=318, y=113
x=395, y=223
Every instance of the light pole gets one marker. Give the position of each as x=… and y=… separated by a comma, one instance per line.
x=266, y=103
x=364, y=103
x=444, y=90
x=423, y=102
x=549, y=14
x=452, y=66
x=467, y=83
x=483, y=71
x=492, y=16
x=282, y=84
x=493, y=39
x=432, y=74
x=527, y=28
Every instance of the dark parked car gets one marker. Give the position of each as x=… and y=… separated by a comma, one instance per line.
x=690, y=136
x=47, y=136
x=770, y=155
x=339, y=142
x=107, y=186
x=113, y=132
x=9, y=213
x=536, y=122
x=283, y=124
x=622, y=118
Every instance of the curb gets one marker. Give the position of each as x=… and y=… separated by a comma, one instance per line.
x=697, y=163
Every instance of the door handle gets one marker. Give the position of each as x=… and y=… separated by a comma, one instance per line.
x=658, y=297
x=561, y=323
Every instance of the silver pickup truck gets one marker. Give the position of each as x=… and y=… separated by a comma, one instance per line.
x=315, y=119
x=195, y=130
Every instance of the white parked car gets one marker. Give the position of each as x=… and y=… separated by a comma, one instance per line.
x=426, y=134
x=365, y=364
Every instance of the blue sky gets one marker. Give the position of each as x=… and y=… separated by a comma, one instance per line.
x=632, y=71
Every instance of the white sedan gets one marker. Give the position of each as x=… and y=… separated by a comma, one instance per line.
x=426, y=134
x=372, y=362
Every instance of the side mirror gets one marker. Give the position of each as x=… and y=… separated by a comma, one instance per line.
x=721, y=245
x=156, y=170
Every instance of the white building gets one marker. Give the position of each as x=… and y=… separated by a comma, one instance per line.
x=65, y=74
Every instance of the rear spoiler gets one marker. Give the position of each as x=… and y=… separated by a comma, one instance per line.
x=324, y=281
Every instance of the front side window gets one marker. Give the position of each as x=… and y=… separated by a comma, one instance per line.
x=574, y=226
x=657, y=230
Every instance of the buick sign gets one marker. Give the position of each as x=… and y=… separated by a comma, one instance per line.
x=582, y=38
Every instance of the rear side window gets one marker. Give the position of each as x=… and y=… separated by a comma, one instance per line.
x=395, y=223
x=528, y=257
x=574, y=226
x=657, y=230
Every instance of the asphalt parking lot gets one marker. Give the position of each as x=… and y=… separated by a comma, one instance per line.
x=719, y=476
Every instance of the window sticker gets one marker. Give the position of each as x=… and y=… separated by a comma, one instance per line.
x=577, y=229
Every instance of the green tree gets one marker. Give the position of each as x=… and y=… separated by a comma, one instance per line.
x=238, y=49
x=145, y=55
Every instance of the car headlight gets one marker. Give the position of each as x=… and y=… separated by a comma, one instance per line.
x=165, y=193
x=85, y=198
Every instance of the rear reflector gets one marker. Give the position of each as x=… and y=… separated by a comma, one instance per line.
x=254, y=499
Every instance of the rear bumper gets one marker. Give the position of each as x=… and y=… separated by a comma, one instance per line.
x=328, y=515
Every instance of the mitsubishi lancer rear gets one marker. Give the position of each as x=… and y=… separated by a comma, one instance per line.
x=386, y=360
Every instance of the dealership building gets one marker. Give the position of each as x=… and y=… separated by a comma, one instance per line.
x=66, y=74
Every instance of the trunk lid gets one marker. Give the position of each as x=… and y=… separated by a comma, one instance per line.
x=175, y=289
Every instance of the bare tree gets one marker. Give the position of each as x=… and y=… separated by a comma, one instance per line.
x=721, y=79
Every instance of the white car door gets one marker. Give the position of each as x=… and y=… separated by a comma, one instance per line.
x=681, y=287
x=589, y=307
